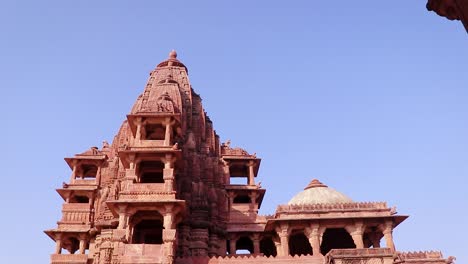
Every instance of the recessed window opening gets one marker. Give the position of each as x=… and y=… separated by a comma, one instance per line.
x=87, y=171
x=151, y=172
x=242, y=199
x=155, y=132
x=79, y=199
x=148, y=232
x=239, y=170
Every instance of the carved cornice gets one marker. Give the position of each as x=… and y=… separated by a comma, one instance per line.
x=295, y=208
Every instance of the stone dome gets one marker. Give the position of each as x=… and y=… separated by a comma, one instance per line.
x=319, y=193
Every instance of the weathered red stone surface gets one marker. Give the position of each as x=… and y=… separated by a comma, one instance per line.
x=162, y=193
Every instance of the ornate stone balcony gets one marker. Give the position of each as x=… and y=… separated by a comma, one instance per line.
x=68, y=259
x=146, y=191
x=150, y=144
x=75, y=214
x=84, y=182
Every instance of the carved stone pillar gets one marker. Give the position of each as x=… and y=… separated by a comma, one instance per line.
x=227, y=173
x=82, y=244
x=98, y=174
x=256, y=243
x=387, y=230
x=253, y=203
x=251, y=180
x=232, y=246
x=167, y=136
x=122, y=217
x=169, y=237
x=73, y=175
x=357, y=231
x=314, y=233
x=278, y=248
x=138, y=129
x=222, y=246
x=283, y=233
x=168, y=173
x=58, y=244
x=168, y=217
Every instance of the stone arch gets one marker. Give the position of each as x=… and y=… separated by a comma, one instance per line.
x=299, y=244
x=267, y=247
x=335, y=238
x=244, y=243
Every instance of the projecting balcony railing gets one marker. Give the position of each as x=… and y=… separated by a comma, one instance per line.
x=89, y=181
x=69, y=258
x=146, y=191
x=76, y=213
x=150, y=143
x=146, y=187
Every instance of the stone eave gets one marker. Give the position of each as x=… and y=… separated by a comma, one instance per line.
x=131, y=118
x=143, y=205
x=52, y=232
x=64, y=192
x=247, y=189
x=271, y=222
x=147, y=152
x=93, y=158
x=245, y=228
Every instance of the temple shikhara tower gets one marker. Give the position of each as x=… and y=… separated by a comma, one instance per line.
x=161, y=192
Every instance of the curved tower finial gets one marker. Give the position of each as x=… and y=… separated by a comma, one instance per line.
x=172, y=54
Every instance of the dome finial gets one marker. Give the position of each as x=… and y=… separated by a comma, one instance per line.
x=172, y=54
x=315, y=183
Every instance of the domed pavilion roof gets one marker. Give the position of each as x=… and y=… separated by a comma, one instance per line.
x=319, y=193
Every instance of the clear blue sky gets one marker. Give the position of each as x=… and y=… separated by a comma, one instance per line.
x=368, y=96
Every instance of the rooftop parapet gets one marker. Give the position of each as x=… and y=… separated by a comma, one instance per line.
x=423, y=257
x=243, y=259
x=360, y=206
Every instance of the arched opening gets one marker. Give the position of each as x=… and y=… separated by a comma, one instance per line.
x=148, y=231
x=335, y=238
x=299, y=245
x=151, y=172
x=242, y=199
x=267, y=247
x=71, y=244
x=244, y=245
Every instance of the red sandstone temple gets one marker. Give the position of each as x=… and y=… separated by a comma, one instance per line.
x=162, y=193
